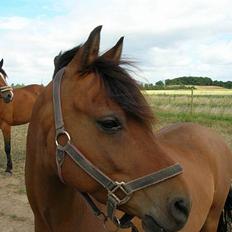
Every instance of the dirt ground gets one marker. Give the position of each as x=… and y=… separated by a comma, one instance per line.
x=15, y=212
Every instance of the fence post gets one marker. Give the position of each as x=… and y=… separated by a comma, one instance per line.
x=191, y=112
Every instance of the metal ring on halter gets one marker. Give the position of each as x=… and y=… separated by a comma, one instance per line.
x=59, y=133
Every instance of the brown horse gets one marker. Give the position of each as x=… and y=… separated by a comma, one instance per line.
x=15, y=109
x=91, y=129
x=6, y=92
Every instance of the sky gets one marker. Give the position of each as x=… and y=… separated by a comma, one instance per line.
x=165, y=38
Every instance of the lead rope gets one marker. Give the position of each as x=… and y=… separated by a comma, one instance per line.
x=124, y=222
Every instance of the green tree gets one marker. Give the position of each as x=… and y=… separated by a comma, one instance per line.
x=159, y=83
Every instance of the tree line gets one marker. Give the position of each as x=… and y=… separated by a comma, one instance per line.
x=186, y=82
x=15, y=86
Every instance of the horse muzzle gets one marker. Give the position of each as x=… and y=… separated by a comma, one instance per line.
x=7, y=94
x=178, y=212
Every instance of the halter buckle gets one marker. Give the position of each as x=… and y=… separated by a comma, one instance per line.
x=58, y=134
x=120, y=189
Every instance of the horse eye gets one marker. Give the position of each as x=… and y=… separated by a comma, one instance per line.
x=110, y=124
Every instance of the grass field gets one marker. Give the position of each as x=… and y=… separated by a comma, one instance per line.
x=207, y=107
x=212, y=110
x=200, y=90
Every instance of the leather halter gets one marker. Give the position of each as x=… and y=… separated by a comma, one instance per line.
x=126, y=189
x=6, y=87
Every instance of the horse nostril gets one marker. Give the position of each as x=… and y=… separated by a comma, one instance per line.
x=179, y=208
x=9, y=95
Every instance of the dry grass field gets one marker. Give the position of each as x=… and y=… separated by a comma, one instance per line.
x=212, y=110
x=200, y=90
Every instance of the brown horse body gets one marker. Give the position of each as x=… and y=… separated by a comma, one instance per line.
x=122, y=152
x=17, y=112
x=207, y=161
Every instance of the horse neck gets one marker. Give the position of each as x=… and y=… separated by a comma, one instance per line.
x=53, y=201
x=58, y=203
x=62, y=203
x=6, y=111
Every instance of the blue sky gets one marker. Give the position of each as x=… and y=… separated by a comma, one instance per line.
x=31, y=9
x=166, y=38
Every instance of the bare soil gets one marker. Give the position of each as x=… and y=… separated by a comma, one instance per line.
x=15, y=211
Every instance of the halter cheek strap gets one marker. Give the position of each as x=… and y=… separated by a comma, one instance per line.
x=118, y=192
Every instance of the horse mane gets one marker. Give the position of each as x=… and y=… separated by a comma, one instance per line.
x=63, y=58
x=119, y=85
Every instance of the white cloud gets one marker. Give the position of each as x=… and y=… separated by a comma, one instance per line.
x=13, y=23
x=218, y=53
x=168, y=38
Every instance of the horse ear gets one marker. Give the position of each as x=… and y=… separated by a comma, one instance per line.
x=91, y=46
x=115, y=52
x=88, y=52
x=56, y=58
x=1, y=63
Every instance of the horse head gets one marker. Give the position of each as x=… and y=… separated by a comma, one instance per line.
x=107, y=123
x=6, y=92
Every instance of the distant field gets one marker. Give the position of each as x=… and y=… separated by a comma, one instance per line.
x=200, y=91
x=209, y=87
x=212, y=108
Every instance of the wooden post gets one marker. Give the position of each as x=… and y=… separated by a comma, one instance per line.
x=191, y=112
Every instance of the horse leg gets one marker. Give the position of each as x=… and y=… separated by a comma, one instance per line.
x=6, y=130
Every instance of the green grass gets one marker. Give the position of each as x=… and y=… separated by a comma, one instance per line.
x=214, y=111
x=213, y=106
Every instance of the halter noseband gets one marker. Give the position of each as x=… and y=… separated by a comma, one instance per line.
x=6, y=87
x=125, y=189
